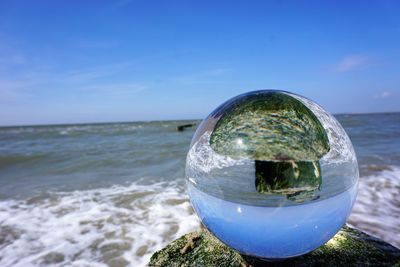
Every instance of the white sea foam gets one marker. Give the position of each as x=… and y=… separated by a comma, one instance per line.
x=102, y=227
x=377, y=207
x=94, y=227
x=135, y=127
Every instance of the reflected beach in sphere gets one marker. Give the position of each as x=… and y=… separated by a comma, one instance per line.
x=271, y=174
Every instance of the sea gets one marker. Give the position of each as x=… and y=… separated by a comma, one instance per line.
x=112, y=194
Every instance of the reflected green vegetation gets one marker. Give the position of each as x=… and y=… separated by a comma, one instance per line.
x=281, y=134
x=298, y=180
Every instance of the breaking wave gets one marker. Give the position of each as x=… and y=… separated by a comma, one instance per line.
x=112, y=226
x=377, y=207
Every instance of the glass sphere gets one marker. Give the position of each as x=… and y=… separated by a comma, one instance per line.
x=271, y=174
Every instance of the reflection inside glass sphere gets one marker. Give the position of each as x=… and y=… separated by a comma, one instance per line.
x=271, y=174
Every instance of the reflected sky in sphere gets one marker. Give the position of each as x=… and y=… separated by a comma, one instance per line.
x=271, y=174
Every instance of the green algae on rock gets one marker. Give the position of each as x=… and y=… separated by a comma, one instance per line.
x=349, y=247
x=282, y=135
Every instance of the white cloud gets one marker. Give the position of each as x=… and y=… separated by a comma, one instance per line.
x=11, y=91
x=84, y=75
x=117, y=89
x=18, y=60
x=11, y=84
x=353, y=62
x=98, y=44
x=217, y=72
x=36, y=81
x=385, y=94
x=122, y=3
x=202, y=76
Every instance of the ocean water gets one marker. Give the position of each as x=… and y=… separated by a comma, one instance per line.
x=109, y=194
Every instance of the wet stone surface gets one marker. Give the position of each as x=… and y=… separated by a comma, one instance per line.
x=349, y=247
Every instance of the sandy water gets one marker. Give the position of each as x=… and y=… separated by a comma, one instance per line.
x=112, y=194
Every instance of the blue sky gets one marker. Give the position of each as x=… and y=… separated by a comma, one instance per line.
x=99, y=61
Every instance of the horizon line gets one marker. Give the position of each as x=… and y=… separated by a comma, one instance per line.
x=148, y=121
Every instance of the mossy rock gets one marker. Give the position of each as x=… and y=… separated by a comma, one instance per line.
x=349, y=247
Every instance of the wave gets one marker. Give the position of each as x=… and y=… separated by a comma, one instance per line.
x=78, y=130
x=377, y=207
x=102, y=227
x=124, y=225
x=10, y=160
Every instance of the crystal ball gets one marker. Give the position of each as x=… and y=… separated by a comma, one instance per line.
x=271, y=174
